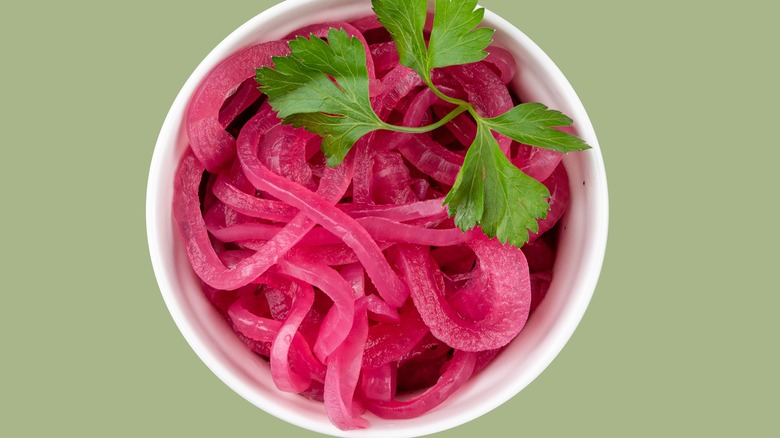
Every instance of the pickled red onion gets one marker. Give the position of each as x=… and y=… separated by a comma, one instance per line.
x=352, y=281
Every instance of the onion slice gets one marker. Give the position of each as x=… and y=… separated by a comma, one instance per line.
x=507, y=295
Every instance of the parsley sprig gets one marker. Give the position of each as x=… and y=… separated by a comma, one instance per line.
x=323, y=87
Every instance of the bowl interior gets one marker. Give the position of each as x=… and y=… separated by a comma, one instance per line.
x=580, y=254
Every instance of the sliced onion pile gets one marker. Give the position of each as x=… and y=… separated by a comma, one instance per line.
x=352, y=281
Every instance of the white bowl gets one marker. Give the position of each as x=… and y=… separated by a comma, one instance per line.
x=580, y=254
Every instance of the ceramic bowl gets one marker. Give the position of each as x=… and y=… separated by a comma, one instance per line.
x=582, y=243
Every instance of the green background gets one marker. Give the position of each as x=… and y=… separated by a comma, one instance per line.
x=681, y=338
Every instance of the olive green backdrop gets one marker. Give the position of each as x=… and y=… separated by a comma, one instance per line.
x=679, y=340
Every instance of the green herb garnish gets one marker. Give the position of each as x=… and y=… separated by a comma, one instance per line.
x=323, y=87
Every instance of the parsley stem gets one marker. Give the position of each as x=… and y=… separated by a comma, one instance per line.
x=420, y=129
x=444, y=97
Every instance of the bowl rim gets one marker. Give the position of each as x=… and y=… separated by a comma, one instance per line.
x=552, y=347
